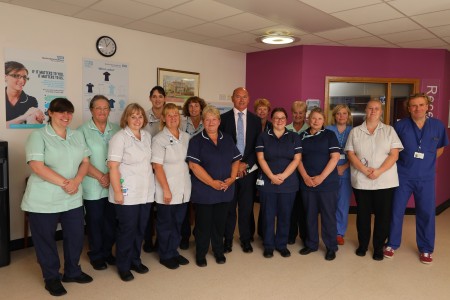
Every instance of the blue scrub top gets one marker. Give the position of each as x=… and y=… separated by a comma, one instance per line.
x=279, y=153
x=433, y=136
x=315, y=156
x=217, y=161
x=342, y=139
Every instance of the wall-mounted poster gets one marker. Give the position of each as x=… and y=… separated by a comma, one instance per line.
x=32, y=80
x=106, y=78
x=179, y=85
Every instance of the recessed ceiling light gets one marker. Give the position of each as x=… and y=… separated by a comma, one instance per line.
x=277, y=38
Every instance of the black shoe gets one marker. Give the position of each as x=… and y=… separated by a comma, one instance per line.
x=378, y=255
x=184, y=244
x=126, y=276
x=268, y=253
x=220, y=259
x=170, y=263
x=247, y=247
x=99, y=264
x=141, y=268
x=306, y=251
x=284, y=252
x=55, y=287
x=291, y=241
x=330, y=255
x=201, y=262
x=110, y=260
x=82, y=278
x=227, y=246
x=148, y=246
x=361, y=251
x=182, y=260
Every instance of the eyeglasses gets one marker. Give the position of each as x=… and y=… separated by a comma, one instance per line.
x=279, y=119
x=17, y=76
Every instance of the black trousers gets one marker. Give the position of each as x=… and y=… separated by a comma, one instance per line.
x=210, y=220
x=378, y=202
x=243, y=200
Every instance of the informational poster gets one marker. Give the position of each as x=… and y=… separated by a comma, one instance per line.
x=32, y=80
x=106, y=78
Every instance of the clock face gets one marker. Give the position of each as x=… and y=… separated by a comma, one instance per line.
x=106, y=46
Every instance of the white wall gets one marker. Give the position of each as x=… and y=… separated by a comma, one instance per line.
x=21, y=28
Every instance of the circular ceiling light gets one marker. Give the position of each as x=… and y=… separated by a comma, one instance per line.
x=277, y=38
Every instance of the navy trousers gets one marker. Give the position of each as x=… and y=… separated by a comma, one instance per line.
x=101, y=227
x=298, y=219
x=168, y=228
x=276, y=206
x=243, y=201
x=323, y=203
x=132, y=221
x=43, y=228
x=186, y=226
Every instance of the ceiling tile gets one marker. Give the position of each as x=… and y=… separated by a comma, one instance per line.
x=423, y=43
x=391, y=26
x=368, y=14
x=163, y=3
x=331, y=6
x=101, y=17
x=212, y=30
x=411, y=8
x=126, y=8
x=442, y=31
x=83, y=3
x=246, y=22
x=148, y=27
x=343, y=34
x=369, y=41
x=408, y=36
x=50, y=6
x=312, y=39
x=173, y=19
x=206, y=10
x=243, y=48
x=187, y=36
x=434, y=19
x=241, y=38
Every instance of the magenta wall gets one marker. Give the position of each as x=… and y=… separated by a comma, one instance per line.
x=299, y=72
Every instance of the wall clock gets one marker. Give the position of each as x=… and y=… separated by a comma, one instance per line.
x=106, y=46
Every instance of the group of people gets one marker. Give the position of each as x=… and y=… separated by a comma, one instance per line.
x=138, y=179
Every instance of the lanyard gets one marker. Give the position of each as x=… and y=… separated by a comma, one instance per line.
x=419, y=140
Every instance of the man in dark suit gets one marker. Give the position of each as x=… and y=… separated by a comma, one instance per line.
x=245, y=128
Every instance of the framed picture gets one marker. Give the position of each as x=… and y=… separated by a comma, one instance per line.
x=179, y=85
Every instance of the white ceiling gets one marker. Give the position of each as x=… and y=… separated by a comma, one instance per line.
x=236, y=24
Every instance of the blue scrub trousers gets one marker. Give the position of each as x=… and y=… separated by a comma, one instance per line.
x=101, y=228
x=132, y=221
x=424, y=198
x=43, y=228
x=343, y=204
x=276, y=206
x=323, y=203
x=168, y=228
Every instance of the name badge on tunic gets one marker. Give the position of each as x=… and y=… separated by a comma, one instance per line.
x=260, y=182
x=342, y=156
x=419, y=155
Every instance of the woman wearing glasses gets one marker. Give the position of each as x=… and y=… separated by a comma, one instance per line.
x=372, y=149
x=278, y=152
x=20, y=107
x=100, y=216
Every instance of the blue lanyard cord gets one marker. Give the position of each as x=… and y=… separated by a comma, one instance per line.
x=419, y=140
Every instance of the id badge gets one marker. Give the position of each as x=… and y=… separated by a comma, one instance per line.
x=342, y=156
x=124, y=191
x=419, y=155
x=260, y=182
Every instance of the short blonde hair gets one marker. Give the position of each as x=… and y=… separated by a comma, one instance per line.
x=168, y=107
x=129, y=110
x=299, y=104
x=336, y=109
x=210, y=110
x=262, y=102
x=318, y=110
